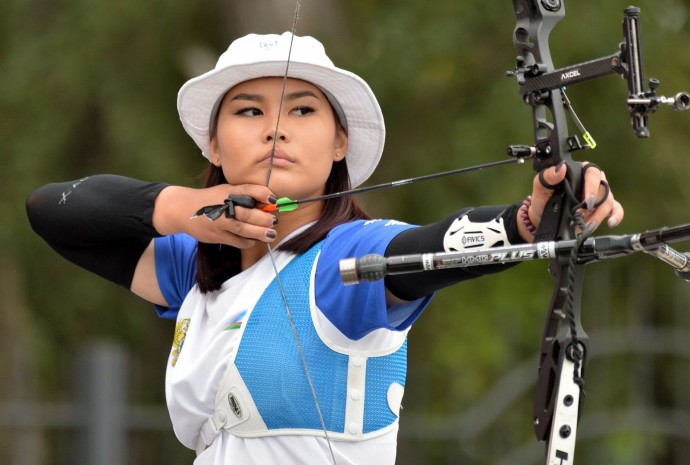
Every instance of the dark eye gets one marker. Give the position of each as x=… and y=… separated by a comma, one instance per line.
x=303, y=110
x=251, y=111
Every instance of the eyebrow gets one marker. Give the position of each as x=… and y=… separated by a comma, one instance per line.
x=261, y=98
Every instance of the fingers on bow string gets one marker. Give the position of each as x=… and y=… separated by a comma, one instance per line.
x=213, y=212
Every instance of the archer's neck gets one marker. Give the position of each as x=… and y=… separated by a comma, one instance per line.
x=288, y=222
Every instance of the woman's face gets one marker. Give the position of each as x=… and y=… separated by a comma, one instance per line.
x=308, y=138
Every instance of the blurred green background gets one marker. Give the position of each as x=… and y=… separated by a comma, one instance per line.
x=89, y=87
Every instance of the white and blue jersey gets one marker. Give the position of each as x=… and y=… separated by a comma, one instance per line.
x=236, y=387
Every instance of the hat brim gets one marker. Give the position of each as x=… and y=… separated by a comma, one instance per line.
x=366, y=131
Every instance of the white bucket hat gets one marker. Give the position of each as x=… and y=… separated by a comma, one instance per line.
x=254, y=56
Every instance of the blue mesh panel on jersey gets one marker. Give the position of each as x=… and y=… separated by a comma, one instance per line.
x=270, y=364
x=381, y=373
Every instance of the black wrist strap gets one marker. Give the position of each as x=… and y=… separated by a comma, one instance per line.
x=429, y=239
x=102, y=223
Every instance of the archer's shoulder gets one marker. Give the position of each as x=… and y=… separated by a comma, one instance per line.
x=367, y=231
x=369, y=226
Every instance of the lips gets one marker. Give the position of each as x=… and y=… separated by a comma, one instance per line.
x=278, y=156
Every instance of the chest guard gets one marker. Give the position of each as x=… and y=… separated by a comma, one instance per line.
x=265, y=391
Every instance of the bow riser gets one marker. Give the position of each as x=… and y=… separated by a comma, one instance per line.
x=555, y=410
x=535, y=20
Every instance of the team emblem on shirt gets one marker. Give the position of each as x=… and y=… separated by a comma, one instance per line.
x=236, y=322
x=178, y=341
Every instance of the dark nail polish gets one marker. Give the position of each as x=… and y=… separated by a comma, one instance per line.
x=271, y=234
x=275, y=221
x=272, y=199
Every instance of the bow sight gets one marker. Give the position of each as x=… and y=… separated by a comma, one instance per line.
x=536, y=76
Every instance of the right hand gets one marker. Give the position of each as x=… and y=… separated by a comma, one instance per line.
x=175, y=206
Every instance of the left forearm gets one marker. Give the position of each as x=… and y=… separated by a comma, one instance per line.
x=467, y=229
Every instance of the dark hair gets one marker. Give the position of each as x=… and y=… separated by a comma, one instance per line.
x=216, y=264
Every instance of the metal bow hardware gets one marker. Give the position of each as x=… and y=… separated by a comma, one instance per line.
x=564, y=348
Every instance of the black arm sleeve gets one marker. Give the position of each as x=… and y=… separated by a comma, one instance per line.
x=429, y=239
x=102, y=223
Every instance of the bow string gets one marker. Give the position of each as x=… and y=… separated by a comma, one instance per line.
x=283, y=293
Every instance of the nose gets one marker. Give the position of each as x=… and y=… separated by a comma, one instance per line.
x=276, y=132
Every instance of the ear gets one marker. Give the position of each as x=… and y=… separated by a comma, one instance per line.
x=215, y=152
x=340, y=145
